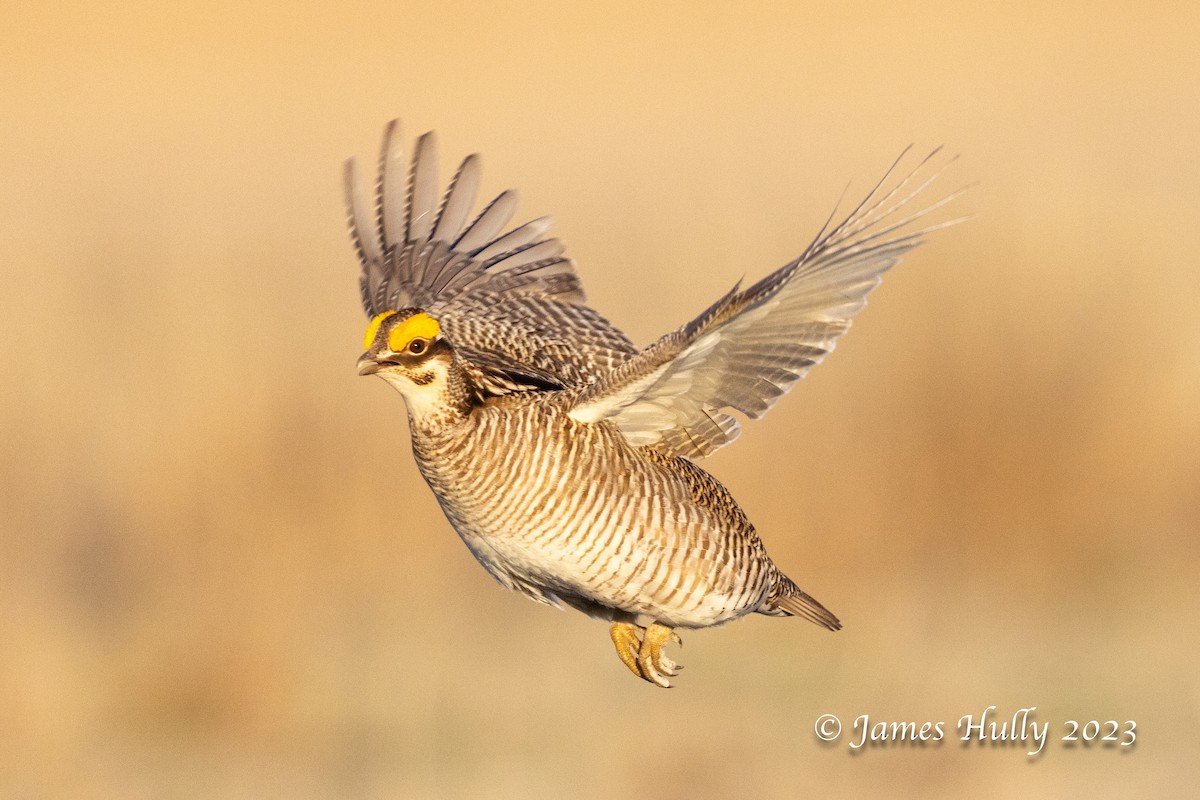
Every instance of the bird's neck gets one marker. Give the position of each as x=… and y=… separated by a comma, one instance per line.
x=445, y=402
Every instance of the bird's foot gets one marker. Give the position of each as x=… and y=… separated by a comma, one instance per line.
x=653, y=661
x=627, y=638
x=641, y=650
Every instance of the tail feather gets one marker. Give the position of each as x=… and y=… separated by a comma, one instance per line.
x=790, y=600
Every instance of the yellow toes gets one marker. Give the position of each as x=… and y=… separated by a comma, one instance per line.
x=642, y=651
x=656, y=667
x=626, y=638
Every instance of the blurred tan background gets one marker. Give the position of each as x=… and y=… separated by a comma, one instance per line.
x=221, y=576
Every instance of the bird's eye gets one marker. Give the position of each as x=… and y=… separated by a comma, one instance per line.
x=417, y=346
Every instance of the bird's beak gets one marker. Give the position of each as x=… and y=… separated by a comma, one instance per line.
x=368, y=365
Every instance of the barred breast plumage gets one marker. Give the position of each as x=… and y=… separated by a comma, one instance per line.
x=617, y=529
x=562, y=455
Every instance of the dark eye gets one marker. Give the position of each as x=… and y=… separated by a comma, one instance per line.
x=417, y=346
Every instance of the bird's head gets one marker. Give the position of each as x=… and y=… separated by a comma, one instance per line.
x=407, y=349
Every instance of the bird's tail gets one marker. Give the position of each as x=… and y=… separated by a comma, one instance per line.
x=788, y=599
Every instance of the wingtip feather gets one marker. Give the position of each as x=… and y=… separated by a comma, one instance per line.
x=389, y=187
x=422, y=189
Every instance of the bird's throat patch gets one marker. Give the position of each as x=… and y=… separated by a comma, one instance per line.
x=418, y=326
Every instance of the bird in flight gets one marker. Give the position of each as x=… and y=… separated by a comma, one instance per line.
x=563, y=455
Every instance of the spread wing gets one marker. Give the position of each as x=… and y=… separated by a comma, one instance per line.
x=749, y=347
x=509, y=300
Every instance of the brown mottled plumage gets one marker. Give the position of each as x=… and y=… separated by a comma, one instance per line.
x=559, y=452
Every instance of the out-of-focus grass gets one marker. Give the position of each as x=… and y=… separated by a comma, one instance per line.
x=222, y=575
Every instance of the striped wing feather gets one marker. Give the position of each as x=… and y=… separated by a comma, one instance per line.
x=752, y=345
x=499, y=293
x=418, y=248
